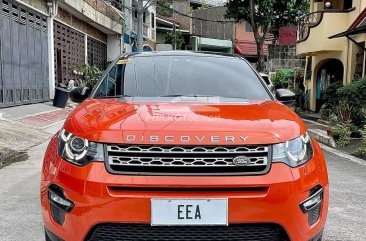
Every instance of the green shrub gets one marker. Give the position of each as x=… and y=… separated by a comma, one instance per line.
x=330, y=100
x=347, y=102
x=179, y=39
x=282, y=78
x=89, y=75
x=342, y=135
x=354, y=95
x=361, y=151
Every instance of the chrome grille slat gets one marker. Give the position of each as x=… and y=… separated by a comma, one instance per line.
x=188, y=149
x=185, y=160
x=153, y=161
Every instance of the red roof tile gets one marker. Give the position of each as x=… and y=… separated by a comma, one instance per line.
x=248, y=48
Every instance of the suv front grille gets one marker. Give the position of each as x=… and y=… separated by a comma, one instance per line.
x=145, y=232
x=186, y=160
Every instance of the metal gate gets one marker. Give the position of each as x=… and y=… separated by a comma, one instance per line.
x=69, y=51
x=97, y=53
x=23, y=55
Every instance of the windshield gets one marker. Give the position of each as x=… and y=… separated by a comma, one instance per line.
x=156, y=76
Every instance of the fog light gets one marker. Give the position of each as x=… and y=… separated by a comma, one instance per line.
x=313, y=201
x=312, y=205
x=56, y=197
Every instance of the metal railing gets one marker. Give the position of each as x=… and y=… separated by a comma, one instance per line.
x=312, y=20
x=307, y=22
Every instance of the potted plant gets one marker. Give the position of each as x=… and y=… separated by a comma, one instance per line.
x=88, y=77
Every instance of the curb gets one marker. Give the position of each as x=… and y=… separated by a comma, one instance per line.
x=8, y=157
x=344, y=155
x=322, y=137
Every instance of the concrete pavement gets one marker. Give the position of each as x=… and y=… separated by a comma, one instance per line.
x=23, y=127
x=20, y=213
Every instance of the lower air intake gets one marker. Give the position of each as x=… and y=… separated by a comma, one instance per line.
x=145, y=232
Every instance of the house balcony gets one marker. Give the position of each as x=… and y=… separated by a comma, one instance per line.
x=146, y=29
x=314, y=30
x=97, y=13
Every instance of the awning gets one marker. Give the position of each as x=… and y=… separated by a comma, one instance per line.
x=358, y=30
x=248, y=48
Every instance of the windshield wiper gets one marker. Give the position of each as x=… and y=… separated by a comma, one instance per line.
x=189, y=96
x=197, y=96
x=112, y=96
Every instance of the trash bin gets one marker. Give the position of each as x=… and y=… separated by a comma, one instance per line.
x=61, y=97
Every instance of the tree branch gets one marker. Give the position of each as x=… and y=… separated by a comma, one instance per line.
x=252, y=22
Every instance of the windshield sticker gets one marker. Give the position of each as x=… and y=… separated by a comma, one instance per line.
x=124, y=61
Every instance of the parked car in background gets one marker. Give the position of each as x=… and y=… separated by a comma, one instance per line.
x=268, y=81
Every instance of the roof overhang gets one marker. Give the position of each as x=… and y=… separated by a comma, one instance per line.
x=358, y=30
x=162, y=29
x=357, y=27
x=166, y=22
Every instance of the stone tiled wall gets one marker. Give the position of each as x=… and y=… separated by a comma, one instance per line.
x=71, y=20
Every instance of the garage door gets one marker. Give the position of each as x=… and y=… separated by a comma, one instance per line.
x=23, y=55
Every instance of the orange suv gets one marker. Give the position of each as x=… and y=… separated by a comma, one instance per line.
x=183, y=146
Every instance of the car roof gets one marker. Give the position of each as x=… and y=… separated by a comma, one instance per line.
x=182, y=53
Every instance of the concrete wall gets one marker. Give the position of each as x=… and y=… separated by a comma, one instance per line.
x=216, y=30
x=113, y=46
x=212, y=29
x=284, y=56
x=243, y=31
x=182, y=6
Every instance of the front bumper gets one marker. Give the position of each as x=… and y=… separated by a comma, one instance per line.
x=100, y=197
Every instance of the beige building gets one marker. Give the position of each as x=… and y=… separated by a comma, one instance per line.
x=334, y=50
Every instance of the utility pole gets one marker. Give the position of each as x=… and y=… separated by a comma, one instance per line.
x=175, y=36
x=140, y=21
x=141, y=8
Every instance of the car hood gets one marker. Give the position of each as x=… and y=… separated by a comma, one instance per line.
x=116, y=121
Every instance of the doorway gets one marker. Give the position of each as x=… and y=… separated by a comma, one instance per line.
x=329, y=71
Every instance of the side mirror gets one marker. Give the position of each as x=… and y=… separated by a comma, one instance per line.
x=79, y=94
x=286, y=96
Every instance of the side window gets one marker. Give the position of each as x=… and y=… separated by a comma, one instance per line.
x=266, y=79
x=111, y=82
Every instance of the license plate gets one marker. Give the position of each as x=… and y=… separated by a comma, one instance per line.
x=189, y=212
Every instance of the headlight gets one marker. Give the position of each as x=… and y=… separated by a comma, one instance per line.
x=77, y=150
x=295, y=152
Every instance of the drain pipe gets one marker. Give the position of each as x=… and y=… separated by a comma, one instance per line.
x=52, y=12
